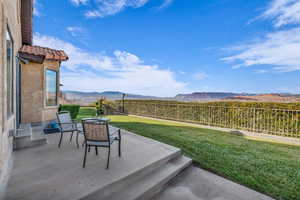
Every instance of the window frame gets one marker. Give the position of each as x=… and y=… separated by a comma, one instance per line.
x=46, y=89
x=9, y=71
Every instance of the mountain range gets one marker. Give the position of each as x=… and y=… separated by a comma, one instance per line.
x=86, y=98
x=205, y=96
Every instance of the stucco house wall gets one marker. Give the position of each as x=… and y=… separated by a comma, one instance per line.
x=10, y=12
x=33, y=92
x=16, y=17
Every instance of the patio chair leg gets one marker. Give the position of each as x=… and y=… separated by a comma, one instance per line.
x=107, y=165
x=96, y=149
x=71, y=136
x=77, y=140
x=61, y=136
x=120, y=153
x=84, y=159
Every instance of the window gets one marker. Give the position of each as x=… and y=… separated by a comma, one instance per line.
x=9, y=73
x=51, y=87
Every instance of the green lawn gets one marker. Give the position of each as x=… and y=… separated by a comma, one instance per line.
x=86, y=112
x=270, y=168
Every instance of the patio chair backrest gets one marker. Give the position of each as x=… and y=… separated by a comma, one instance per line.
x=65, y=120
x=95, y=130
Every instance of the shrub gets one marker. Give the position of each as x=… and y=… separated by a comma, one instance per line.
x=72, y=108
x=87, y=111
x=106, y=107
x=100, y=107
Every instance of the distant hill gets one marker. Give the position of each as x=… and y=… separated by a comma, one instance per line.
x=223, y=96
x=205, y=96
x=267, y=98
x=86, y=98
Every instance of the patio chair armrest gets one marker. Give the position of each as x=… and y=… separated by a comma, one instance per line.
x=67, y=123
x=74, y=125
x=115, y=132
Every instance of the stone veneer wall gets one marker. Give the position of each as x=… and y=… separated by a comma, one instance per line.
x=10, y=11
x=33, y=91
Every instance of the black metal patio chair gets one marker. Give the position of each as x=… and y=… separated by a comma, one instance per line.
x=99, y=134
x=67, y=125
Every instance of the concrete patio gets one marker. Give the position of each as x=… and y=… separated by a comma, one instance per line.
x=147, y=170
x=47, y=172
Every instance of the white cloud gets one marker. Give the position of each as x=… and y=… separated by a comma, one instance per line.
x=36, y=8
x=200, y=76
x=78, y=2
x=111, y=7
x=261, y=71
x=78, y=57
x=79, y=33
x=127, y=60
x=75, y=30
x=283, y=12
x=106, y=8
x=279, y=49
x=122, y=71
x=144, y=81
x=165, y=4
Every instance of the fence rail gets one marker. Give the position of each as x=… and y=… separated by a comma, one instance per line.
x=264, y=120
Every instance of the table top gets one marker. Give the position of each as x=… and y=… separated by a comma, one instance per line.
x=98, y=118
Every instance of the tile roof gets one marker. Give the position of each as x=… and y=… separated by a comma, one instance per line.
x=46, y=53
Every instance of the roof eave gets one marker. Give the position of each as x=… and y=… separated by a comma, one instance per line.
x=32, y=58
x=40, y=54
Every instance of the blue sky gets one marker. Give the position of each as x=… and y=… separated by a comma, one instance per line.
x=166, y=47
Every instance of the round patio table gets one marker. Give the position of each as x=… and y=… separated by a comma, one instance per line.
x=103, y=119
x=100, y=119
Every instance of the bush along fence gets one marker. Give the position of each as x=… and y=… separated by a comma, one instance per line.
x=73, y=109
x=270, y=118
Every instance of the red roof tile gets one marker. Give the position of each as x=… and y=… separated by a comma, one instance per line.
x=46, y=53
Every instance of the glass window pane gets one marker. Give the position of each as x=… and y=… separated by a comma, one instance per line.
x=51, y=88
x=9, y=73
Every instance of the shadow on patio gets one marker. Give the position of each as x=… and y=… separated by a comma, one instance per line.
x=47, y=172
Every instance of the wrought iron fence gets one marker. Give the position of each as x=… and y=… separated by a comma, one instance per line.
x=264, y=120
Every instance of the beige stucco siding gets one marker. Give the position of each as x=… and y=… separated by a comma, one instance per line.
x=33, y=92
x=33, y=108
x=9, y=17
